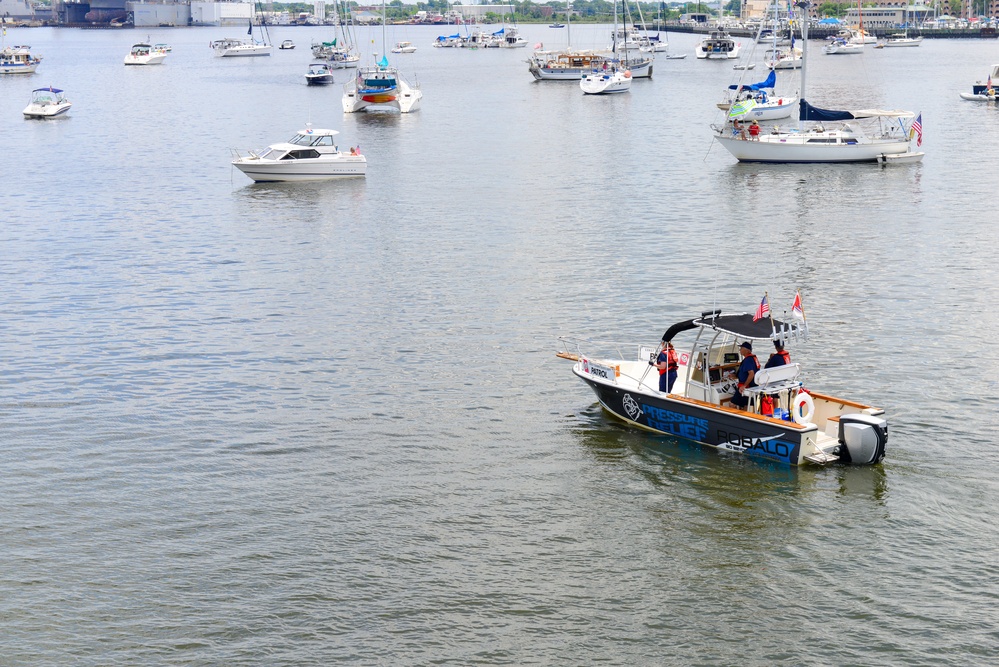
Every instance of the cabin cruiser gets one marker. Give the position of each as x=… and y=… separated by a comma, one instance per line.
x=319, y=74
x=47, y=103
x=287, y=45
x=18, y=60
x=782, y=421
x=311, y=155
x=144, y=54
x=718, y=44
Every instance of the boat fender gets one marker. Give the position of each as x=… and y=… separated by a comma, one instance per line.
x=803, y=401
x=780, y=101
x=627, y=73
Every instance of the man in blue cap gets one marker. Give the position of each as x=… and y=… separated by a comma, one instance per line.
x=745, y=375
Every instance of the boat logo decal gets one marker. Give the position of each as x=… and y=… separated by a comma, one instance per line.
x=677, y=423
x=631, y=407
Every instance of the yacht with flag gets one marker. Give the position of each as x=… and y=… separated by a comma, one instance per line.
x=826, y=135
x=724, y=397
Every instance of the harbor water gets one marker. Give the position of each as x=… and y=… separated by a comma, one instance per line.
x=323, y=423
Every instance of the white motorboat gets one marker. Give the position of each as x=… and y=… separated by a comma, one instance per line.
x=47, y=103
x=509, y=38
x=829, y=136
x=843, y=47
x=163, y=48
x=311, y=155
x=717, y=45
x=404, y=47
x=243, y=48
x=781, y=422
x=605, y=82
x=319, y=74
x=144, y=54
x=18, y=60
x=287, y=45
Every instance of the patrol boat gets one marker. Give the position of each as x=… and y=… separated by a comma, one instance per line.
x=783, y=421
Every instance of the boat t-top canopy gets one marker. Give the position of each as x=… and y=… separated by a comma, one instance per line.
x=741, y=326
x=46, y=90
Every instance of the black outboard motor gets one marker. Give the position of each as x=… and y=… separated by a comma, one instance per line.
x=863, y=439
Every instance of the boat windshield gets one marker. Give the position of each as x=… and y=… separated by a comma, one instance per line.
x=271, y=154
x=312, y=140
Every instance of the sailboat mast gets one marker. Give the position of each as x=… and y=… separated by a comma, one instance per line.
x=803, y=5
x=384, y=55
x=568, y=25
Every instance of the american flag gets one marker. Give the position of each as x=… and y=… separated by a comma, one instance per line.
x=762, y=310
x=917, y=130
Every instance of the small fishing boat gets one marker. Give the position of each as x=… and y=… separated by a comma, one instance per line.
x=47, y=103
x=557, y=25
x=287, y=45
x=144, y=54
x=983, y=92
x=781, y=421
x=311, y=155
x=319, y=74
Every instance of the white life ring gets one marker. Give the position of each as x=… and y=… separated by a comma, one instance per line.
x=803, y=400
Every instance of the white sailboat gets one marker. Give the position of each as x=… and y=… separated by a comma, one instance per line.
x=380, y=86
x=233, y=48
x=830, y=136
x=614, y=78
x=903, y=39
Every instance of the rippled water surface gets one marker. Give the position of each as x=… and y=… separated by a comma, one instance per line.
x=323, y=423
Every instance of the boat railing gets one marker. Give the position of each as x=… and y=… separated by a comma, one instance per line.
x=574, y=347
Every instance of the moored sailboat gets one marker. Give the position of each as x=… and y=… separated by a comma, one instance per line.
x=817, y=142
x=380, y=86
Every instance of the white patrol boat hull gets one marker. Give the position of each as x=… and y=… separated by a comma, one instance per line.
x=730, y=429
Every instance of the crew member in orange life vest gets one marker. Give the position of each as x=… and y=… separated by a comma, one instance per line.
x=780, y=357
x=667, y=362
x=747, y=371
